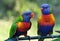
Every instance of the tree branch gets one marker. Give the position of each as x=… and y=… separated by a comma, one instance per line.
x=37, y=37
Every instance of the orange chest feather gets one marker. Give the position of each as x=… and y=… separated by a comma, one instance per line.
x=46, y=20
x=23, y=26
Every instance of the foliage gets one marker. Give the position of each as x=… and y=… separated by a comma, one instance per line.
x=19, y=7
x=16, y=7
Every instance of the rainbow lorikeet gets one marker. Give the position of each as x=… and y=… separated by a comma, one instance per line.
x=21, y=25
x=46, y=21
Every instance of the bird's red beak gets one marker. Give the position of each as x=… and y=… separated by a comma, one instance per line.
x=32, y=15
x=41, y=9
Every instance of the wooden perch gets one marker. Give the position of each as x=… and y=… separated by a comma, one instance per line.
x=37, y=37
x=33, y=37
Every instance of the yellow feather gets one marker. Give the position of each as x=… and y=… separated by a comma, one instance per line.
x=19, y=24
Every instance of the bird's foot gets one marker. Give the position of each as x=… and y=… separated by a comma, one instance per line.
x=17, y=38
x=28, y=37
x=51, y=35
x=39, y=36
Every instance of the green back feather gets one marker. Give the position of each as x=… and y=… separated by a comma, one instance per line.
x=14, y=27
x=51, y=10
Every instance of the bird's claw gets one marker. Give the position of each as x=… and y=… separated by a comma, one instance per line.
x=28, y=37
x=17, y=38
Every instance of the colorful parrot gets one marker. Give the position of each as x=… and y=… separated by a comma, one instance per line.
x=46, y=21
x=21, y=25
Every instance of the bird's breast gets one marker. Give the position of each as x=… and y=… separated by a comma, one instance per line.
x=23, y=26
x=46, y=20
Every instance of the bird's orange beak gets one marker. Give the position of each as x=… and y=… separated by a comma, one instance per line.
x=32, y=15
x=41, y=9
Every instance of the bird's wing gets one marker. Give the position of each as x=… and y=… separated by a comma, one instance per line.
x=14, y=27
x=38, y=24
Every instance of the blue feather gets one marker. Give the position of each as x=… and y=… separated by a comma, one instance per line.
x=45, y=29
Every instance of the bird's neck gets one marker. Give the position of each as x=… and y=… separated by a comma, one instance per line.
x=26, y=19
x=46, y=14
x=46, y=17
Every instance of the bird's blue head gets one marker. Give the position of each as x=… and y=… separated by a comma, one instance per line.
x=45, y=8
x=27, y=15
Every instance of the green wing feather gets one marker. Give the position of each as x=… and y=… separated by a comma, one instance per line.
x=14, y=27
x=51, y=10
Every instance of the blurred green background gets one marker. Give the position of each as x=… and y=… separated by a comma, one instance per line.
x=10, y=9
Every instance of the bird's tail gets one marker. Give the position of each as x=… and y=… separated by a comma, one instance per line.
x=41, y=39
